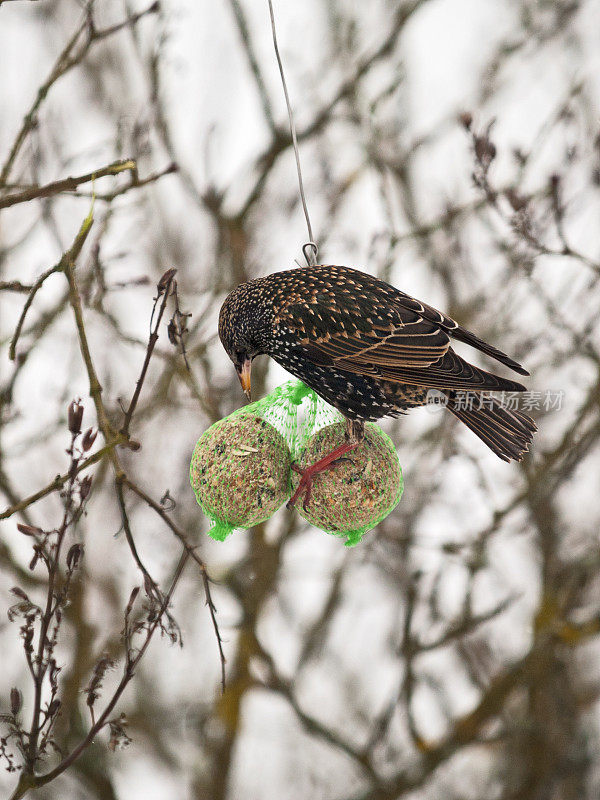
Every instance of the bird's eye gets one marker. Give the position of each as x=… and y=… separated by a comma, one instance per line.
x=240, y=356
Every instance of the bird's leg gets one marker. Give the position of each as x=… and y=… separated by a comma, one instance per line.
x=355, y=433
x=327, y=462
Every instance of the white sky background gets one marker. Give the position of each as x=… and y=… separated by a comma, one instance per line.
x=443, y=52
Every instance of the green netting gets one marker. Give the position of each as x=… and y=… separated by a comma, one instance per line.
x=241, y=467
x=240, y=472
x=360, y=491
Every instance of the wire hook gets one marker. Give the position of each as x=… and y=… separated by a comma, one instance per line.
x=311, y=252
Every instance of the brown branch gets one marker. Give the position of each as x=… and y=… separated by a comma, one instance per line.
x=463, y=627
x=32, y=293
x=150, y=583
x=14, y=286
x=39, y=664
x=60, y=480
x=465, y=730
x=96, y=388
x=69, y=57
x=192, y=552
x=29, y=120
x=70, y=184
x=28, y=782
x=164, y=289
x=135, y=183
x=313, y=726
x=75, y=302
x=128, y=22
x=67, y=258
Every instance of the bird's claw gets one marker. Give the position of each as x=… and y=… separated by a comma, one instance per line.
x=304, y=486
x=307, y=477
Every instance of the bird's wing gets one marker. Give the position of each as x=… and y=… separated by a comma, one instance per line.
x=450, y=371
x=406, y=347
x=359, y=341
x=456, y=331
x=347, y=319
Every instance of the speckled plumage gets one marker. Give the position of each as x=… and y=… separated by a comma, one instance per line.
x=367, y=348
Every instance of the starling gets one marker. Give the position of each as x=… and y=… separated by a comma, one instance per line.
x=370, y=351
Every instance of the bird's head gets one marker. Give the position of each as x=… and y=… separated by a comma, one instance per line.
x=243, y=328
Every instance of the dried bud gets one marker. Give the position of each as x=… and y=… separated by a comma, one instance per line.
x=27, y=634
x=84, y=487
x=53, y=708
x=89, y=437
x=16, y=701
x=74, y=556
x=18, y=592
x=166, y=280
x=485, y=150
x=172, y=332
x=118, y=736
x=37, y=554
x=74, y=417
x=29, y=530
x=466, y=120
x=517, y=201
x=93, y=688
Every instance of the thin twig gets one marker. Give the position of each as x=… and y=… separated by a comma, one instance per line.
x=164, y=288
x=149, y=580
x=30, y=118
x=39, y=664
x=192, y=552
x=69, y=184
x=14, y=286
x=32, y=293
x=75, y=302
x=35, y=781
x=135, y=183
x=67, y=258
x=60, y=480
x=68, y=58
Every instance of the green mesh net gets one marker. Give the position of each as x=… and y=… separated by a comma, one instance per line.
x=241, y=467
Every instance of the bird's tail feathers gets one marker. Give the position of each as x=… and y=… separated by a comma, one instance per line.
x=463, y=335
x=508, y=433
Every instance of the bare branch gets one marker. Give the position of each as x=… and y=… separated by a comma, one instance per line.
x=69, y=57
x=164, y=290
x=70, y=184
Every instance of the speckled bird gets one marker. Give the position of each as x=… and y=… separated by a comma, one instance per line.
x=369, y=350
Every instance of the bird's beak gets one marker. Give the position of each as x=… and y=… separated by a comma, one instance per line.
x=244, y=373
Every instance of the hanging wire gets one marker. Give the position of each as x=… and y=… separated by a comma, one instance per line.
x=310, y=249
